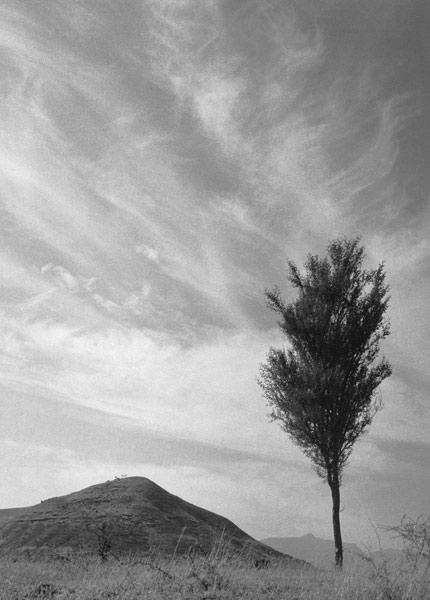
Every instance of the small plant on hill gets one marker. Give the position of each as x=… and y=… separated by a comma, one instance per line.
x=415, y=536
x=101, y=528
x=104, y=540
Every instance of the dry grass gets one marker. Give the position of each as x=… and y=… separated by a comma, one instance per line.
x=202, y=578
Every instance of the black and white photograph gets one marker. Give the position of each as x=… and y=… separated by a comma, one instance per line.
x=214, y=299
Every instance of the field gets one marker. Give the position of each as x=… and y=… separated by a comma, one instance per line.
x=210, y=578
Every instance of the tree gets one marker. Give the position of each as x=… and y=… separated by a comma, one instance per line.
x=322, y=389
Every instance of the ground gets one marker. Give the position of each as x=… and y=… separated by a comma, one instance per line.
x=215, y=577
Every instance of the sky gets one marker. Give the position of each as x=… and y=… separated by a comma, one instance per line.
x=160, y=163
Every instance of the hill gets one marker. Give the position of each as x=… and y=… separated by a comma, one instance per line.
x=133, y=514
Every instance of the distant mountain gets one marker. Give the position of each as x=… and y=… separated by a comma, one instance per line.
x=137, y=516
x=320, y=552
x=317, y=551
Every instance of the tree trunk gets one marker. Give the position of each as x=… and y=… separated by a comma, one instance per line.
x=335, y=494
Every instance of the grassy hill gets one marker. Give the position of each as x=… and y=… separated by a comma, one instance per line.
x=133, y=515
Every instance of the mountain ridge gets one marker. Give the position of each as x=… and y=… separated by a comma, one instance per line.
x=320, y=552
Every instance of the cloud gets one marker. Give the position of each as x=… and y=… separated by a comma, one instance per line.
x=62, y=275
x=148, y=252
x=141, y=375
x=159, y=166
x=131, y=187
x=379, y=155
x=216, y=100
x=407, y=452
x=51, y=420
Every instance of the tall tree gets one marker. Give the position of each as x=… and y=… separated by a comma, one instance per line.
x=322, y=389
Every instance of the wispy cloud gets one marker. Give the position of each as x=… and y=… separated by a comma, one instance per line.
x=159, y=164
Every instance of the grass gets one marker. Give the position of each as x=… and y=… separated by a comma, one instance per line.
x=215, y=577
